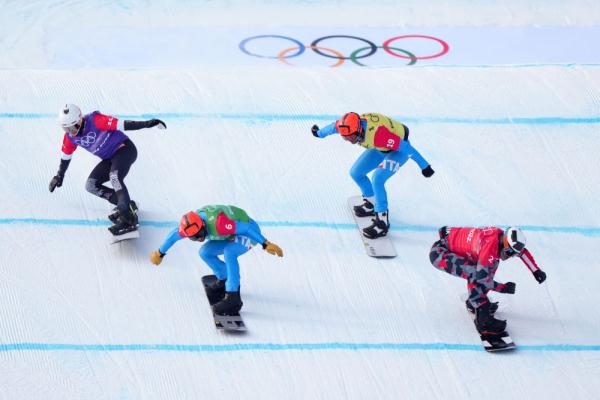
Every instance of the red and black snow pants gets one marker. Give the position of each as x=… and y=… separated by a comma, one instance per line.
x=480, y=279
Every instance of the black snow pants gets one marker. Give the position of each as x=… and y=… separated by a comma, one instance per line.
x=114, y=169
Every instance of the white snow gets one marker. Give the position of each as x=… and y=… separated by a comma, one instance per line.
x=511, y=145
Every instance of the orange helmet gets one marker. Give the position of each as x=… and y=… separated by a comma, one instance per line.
x=350, y=127
x=192, y=226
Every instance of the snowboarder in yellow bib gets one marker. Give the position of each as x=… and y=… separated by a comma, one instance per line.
x=229, y=232
x=387, y=149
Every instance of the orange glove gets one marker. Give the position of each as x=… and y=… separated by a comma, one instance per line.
x=272, y=248
x=156, y=257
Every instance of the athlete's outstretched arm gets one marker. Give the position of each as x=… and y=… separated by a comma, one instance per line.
x=529, y=261
x=252, y=230
x=157, y=255
x=135, y=125
x=172, y=237
x=110, y=123
x=325, y=131
x=68, y=148
x=414, y=154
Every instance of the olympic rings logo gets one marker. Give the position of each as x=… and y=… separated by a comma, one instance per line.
x=88, y=139
x=356, y=56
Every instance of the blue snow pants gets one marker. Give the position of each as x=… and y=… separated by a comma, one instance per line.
x=229, y=268
x=385, y=165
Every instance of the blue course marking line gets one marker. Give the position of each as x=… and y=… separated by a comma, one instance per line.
x=587, y=231
x=332, y=117
x=212, y=348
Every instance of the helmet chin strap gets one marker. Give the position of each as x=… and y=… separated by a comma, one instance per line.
x=503, y=243
x=81, y=125
x=361, y=135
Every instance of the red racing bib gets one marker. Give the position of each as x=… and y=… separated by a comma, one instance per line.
x=224, y=225
x=386, y=138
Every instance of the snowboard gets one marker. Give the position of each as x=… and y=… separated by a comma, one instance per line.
x=379, y=248
x=497, y=342
x=494, y=342
x=230, y=323
x=126, y=236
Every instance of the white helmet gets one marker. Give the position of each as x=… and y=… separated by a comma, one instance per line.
x=70, y=118
x=515, y=238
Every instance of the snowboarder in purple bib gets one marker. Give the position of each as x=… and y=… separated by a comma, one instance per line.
x=102, y=135
x=387, y=149
x=230, y=232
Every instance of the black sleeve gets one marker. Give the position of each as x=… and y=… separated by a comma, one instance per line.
x=64, y=164
x=134, y=125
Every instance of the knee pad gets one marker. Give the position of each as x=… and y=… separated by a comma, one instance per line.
x=92, y=186
x=114, y=180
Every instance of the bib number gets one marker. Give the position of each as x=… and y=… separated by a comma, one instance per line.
x=224, y=225
x=386, y=139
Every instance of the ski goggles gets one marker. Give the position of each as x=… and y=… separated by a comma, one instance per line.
x=193, y=230
x=199, y=236
x=353, y=137
x=73, y=129
x=515, y=248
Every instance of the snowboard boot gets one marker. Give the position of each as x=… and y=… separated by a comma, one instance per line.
x=125, y=224
x=366, y=209
x=230, y=305
x=485, y=321
x=471, y=309
x=215, y=291
x=114, y=217
x=379, y=227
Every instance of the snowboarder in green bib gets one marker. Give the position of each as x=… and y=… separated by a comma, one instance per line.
x=229, y=232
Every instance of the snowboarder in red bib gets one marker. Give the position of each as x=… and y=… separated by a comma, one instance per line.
x=230, y=233
x=102, y=135
x=387, y=149
x=474, y=254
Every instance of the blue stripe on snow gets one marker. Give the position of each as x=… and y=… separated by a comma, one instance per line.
x=211, y=348
x=582, y=230
x=272, y=117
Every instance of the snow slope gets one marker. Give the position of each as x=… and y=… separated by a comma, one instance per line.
x=511, y=144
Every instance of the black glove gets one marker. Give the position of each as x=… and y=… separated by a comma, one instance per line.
x=58, y=178
x=427, y=171
x=154, y=122
x=539, y=276
x=509, y=287
x=314, y=130
x=55, y=182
